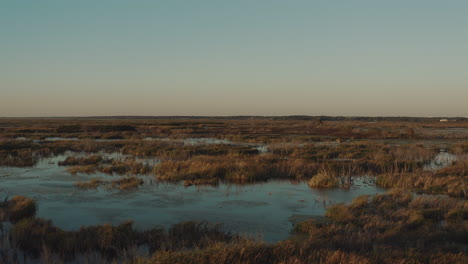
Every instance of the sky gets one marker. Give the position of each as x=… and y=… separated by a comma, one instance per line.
x=243, y=57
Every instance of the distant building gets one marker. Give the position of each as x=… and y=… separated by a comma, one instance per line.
x=444, y=120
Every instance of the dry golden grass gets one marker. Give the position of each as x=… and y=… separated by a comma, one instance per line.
x=324, y=179
x=426, y=182
x=234, y=168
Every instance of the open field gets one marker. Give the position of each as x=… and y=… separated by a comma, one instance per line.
x=155, y=190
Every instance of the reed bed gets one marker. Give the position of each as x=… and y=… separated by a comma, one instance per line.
x=234, y=168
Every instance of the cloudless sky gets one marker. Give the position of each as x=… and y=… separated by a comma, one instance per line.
x=242, y=57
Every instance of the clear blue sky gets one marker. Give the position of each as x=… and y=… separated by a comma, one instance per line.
x=243, y=57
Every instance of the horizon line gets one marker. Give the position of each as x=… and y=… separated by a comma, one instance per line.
x=227, y=116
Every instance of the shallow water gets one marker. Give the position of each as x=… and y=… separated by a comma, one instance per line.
x=263, y=210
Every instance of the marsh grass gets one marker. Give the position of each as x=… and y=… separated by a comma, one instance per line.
x=127, y=166
x=17, y=208
x=124, y=183
x=425, y=182
x=460, y=148
x=73, y=161
x=119, y=167
x=394, y=222
x=451, y=180
x=324, y=179
x=233, y=168
x=177, y=150
x=14, y=153
x=91, y=184
x=459, y=168
x=86, y=169
x=397, y=227
x=40, y=238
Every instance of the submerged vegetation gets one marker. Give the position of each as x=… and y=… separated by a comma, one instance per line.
x=421, y=219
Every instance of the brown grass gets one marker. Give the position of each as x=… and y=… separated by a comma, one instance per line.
x=324, y=179
x=73, y=161
x=17, y=208
x=426, y=182
x=125, y=183
x=92, y=184
x=87, y=169
x=33, y=235
x=234, y=168
x=129, y=166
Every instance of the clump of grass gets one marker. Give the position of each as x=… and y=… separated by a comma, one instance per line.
x=324, y=179
x=234, y=168
x=87, y=169
x=92, y=184
x=339, y=213
x=457, y=214
x=17, y=208
x=413, y=152
x=360, y=201
x=126, y=183
x=16, y=153
x=126, y=167
x=81, y=161
x=231, y=168
x=211, y=182
x=460, y=168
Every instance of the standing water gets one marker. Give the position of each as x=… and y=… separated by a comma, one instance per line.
x=263, y=210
